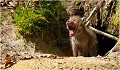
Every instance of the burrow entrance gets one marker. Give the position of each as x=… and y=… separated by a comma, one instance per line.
x=104, y=44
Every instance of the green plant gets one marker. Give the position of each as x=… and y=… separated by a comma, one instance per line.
x=28, y=20
x=47, y=19
x=115, y=18
x=46, y=16
x=56, y=15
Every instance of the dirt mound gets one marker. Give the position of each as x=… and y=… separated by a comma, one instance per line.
x=110, y=62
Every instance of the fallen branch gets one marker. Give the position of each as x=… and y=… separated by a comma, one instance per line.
x=103, y=33
x=117, y=45
x=93, y=12
x=90, y=16
x=87, y=22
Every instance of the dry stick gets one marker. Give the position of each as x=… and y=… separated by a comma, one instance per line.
x=114, y=46
x=90, y=16
x=93, y=12
x=116, y=43
x=97, y=31
x=103, y=33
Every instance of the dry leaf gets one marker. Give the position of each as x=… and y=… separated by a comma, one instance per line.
x=8, y=62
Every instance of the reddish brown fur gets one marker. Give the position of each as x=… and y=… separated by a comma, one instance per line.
x=83, y=40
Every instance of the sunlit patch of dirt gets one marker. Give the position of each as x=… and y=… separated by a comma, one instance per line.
x=110, y=62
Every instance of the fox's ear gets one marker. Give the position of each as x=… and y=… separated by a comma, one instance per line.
x=83, y=19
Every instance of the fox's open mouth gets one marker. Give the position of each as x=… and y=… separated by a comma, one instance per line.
x=71, y=28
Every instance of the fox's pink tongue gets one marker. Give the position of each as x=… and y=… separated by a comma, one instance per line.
x=71, y=33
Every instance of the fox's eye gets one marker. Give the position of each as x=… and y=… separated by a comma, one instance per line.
x=75, y=21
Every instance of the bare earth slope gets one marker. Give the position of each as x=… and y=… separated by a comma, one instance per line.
x=110, y=62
